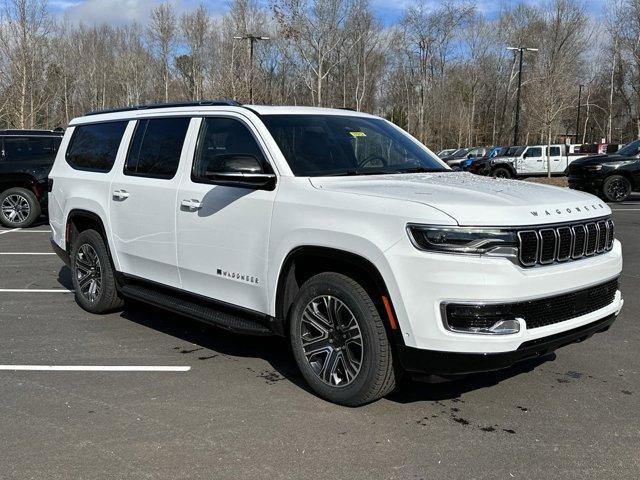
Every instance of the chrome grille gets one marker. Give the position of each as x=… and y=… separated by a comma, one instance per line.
x=546, y=245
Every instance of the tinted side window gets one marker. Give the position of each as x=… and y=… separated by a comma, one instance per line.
x=554, y=152
x=156, y=147
x=94, y=147
x=219, y=138
x=534, y=152
x=19, y=149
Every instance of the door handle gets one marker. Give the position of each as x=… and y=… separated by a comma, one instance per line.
x=120, y=194
x=191, y=204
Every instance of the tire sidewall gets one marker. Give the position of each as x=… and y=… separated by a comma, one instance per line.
x=371, y=347
x=34, y=207
x=94, y=239
x=605, y=186
x=507, y=174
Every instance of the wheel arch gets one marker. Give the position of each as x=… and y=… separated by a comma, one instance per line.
x=305, y=261
x=508, y=166
x=20, y=180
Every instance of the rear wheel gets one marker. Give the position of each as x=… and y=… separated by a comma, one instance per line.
x=93, y=276
x=616, y=188
x=19, y=208
x=339, y=341
x=501, y=172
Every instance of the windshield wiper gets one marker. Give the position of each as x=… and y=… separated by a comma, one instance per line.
x=422, y=170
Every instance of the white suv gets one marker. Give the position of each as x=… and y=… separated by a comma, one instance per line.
x=335, y=229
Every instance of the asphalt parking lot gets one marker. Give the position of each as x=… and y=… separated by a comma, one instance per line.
x=240, y=409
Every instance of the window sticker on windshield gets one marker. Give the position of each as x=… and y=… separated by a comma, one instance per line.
x=357, y=134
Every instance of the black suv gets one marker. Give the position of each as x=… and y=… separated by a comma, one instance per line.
x=612, y=176
x=25, y=161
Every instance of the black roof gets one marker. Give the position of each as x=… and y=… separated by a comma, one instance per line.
x=199, y=103
x=32, y=133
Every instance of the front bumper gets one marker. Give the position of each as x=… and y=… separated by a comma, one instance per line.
x=433, y=362
x=585, y=184
x=419, y=283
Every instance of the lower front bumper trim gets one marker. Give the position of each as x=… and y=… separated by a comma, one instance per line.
x=432, y=362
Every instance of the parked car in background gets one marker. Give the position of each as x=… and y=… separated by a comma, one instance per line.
x=613, y=177
x=530, y=161
x=599, y=148
x=492, y=152
x=446, y=152
x=25, y=160
x=455, y=162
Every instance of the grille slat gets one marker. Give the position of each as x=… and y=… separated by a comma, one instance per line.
x=546, y=245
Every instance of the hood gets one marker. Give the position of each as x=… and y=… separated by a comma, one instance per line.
x=601, y=159
x=475, y=200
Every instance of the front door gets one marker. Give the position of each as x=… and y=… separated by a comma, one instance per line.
x=533, y=161
x=143, y=196
x=223, y=231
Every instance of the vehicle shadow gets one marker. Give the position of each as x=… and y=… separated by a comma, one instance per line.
x=419, y=391
x=275, y=350
x=64, y=278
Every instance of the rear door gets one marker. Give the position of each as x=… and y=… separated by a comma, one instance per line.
x=143, y=197
x=223, y=231
x=557, y=158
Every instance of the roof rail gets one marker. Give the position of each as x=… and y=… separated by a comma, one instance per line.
x=199, y=103
x=31, y=132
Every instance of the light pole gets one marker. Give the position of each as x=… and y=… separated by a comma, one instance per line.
x=578, y=119
x=252, y=39
x=517, y=123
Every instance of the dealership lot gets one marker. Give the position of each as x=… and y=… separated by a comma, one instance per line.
x=238, y=408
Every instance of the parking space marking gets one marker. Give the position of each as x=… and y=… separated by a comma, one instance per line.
x=625, y=209
x=94, y=368
x=9, y=231
x=35, y=290
x=31, y=231
x=27, y=253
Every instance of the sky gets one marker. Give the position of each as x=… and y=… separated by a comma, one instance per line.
x=121, y=12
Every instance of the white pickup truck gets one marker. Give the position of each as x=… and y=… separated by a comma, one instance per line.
x=532, y=160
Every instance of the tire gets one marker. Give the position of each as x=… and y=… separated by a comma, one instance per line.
x=616, y=188
x=90, y=256
x=348, y=383
x=19, y=208
x=501, y=172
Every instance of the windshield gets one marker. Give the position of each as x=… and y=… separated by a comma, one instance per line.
x=321, y=145
x=514, y=151
x=630, y=150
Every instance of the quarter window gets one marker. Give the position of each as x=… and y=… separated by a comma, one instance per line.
x=219, y=139
x=156, y=147
x=94, y=147
x=17, y=149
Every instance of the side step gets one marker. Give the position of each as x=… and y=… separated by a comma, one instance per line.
x=198, y=311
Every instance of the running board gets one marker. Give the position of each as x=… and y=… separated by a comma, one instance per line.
x=198, y=311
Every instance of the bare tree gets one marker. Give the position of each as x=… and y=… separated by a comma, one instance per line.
x=162, y=34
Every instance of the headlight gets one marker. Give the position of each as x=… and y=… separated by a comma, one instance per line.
x=468, y=240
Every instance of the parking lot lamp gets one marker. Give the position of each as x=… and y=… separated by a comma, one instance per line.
x=252, y=39
x=517, y=122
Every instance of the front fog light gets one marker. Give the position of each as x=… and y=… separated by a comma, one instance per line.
x=483, y=319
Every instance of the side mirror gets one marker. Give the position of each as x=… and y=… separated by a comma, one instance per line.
x=242, y=171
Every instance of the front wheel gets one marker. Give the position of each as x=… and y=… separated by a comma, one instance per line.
x=501, y=172
x=616, y=188
x=339, y=341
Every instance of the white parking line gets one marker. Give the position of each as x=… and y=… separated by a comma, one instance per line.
x=8, y=231
x=32, y=231
x=625, y=209
x=27, y=253
x=93, y=368
x=35, y=290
